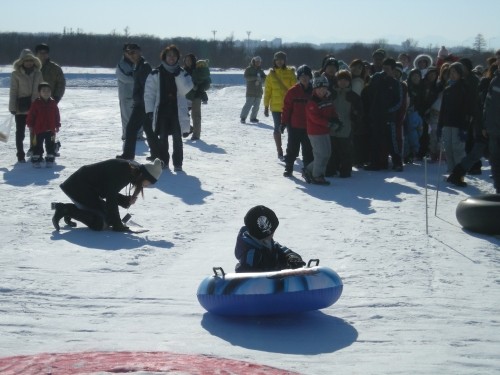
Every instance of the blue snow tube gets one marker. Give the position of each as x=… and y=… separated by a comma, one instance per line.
x=269, y=293
x=480, y=213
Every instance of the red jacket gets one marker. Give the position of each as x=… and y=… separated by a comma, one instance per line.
x=294, y=106
x=319, y=113
x=43, y=116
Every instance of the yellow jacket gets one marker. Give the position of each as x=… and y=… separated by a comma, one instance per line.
x=278, y=82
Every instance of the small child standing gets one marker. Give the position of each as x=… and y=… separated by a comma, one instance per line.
x=321, y=118
x=255, y=248
x=44, y=122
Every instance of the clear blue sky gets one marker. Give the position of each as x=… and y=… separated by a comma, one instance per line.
x=436, y=22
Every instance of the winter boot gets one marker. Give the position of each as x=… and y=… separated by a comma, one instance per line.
x=456, y=177
x=277, y=140
x=70, y=211
x=60, y=212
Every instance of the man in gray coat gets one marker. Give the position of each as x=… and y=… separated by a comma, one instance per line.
x=125, y=77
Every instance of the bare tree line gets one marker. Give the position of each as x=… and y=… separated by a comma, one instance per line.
x=92, y=50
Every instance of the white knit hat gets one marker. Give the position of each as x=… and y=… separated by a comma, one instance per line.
x=443, y=52
x=153, y=171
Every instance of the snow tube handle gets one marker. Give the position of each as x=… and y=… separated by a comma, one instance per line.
x=311, y=261
x=219, y=269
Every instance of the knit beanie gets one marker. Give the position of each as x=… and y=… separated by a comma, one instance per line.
x=41, y=85
x=280, y=56
x=261, y=222
x=152, y=171
x=443, y=52
x=320, y=81
x=331, y=61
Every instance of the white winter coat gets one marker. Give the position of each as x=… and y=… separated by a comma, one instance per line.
x=152, y=97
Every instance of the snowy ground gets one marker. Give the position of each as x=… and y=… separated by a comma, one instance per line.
x=413, y=303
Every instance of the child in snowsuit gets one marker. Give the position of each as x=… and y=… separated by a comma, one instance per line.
x=321, y=117
x=44, y=122
x=256, y=249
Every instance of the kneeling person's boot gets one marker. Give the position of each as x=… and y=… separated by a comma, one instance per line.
x=60, y=211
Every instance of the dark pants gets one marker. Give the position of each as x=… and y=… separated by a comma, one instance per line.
x=298, y=138
x=341, y=157
x=386, y=139
x=49, y=139
x=168, y=124
x=494, y=145
x=20, y=135
x=136, y=121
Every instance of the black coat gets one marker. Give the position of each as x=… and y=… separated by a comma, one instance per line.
x=455, y=106
x=97, y=187
x=141, y=73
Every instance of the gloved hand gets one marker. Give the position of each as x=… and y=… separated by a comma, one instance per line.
x=283, y=127
x=295, y=261
x=462, y=135
x=149, y=116
x=266, y=111
x=335, y=124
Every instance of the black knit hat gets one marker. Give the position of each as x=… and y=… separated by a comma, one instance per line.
x=261, y=222
x=331, y=61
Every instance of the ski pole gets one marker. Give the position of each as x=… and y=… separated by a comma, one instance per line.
x=439, y=176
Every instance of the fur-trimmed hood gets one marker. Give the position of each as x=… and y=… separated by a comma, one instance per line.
x=26, y=54
x=423, y=57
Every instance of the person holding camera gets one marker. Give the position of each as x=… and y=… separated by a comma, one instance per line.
x=95, y=192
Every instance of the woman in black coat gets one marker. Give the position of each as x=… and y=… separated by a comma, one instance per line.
x=95, y=192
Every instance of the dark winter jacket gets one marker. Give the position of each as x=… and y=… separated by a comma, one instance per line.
x=53, y=74
x=348, y=106
x=385, y=98
x=43, y=116
x=97, y=187
x=141, y=73
x=455, y=106
x=491, y=114
x=254, y=257
x=294, y=106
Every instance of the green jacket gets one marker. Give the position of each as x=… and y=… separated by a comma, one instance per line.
x=255, y=78
x=53, y=74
